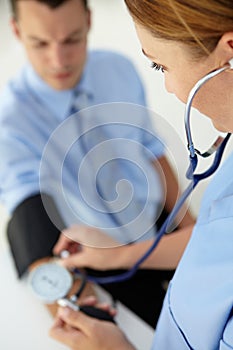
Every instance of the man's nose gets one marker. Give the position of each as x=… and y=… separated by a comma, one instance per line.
x=58, y=56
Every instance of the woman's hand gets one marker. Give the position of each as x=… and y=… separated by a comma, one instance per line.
x=89, y=247
x=81, y=332
x=165, y=256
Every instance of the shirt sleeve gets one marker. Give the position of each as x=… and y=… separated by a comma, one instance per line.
x=20, y=144
x=151, y=139
x=19, y=164
x=135, y=92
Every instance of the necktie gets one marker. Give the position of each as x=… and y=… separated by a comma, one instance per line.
x=80, y=101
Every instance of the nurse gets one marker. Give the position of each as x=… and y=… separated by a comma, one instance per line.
x=185, y=39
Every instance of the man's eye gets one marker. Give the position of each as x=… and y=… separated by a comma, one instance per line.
x=40, y=45
x=157, y=67
x=73, y=41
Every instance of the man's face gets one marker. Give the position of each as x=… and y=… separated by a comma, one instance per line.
x=55, y=40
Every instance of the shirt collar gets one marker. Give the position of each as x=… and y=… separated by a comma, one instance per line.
x=58, y=102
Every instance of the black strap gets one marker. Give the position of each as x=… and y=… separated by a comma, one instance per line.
x=31, y=233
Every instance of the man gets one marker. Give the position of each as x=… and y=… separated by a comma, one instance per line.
x=35, y=105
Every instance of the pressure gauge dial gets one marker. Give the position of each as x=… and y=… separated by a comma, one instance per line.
x=50, y=282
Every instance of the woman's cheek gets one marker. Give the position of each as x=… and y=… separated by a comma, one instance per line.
x=168, y=84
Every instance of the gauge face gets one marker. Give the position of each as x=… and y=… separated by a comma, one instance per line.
x=50, y=282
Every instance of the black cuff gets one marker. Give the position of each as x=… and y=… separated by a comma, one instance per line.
x=31, y=233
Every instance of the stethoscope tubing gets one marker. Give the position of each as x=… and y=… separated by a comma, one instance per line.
x=131, y=272
x=167, y=223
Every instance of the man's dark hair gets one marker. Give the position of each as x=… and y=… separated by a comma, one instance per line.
x=50, y=3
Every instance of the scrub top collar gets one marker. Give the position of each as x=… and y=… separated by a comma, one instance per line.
x=58, y=102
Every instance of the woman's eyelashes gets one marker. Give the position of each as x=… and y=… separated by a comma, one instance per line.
x=157, y=67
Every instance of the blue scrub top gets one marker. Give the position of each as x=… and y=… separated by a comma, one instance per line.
x=197, y=311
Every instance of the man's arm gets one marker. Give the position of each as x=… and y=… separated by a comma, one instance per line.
x=32, y=236
x=31, y=233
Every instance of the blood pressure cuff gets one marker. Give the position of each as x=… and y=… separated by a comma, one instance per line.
x=31, y=233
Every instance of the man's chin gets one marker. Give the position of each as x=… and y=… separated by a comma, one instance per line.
x=61, y=86
x=62, y=83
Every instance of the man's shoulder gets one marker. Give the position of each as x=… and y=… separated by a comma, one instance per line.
x=112, y=65
x=113, y=75
x=15, y=100
x=14, y=92
x=109, y=58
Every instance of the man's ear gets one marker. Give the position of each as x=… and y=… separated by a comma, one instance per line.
x=225, y=47
x=89, y=17
x=15, y=27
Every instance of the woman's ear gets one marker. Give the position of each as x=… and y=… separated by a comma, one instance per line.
x=224, y=48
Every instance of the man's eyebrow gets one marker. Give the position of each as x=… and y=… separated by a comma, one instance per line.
x=74, y=33
x=34, y=38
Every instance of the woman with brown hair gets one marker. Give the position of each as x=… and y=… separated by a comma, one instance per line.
x=186, y=39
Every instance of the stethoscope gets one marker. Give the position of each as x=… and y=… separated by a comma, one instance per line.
x=51, y=282
x=217, y=147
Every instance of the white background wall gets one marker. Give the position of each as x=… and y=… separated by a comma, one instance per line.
x=113, y=28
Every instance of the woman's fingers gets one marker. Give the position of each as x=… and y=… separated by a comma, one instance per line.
x=82, y=332
x=64, y=333
x=62, y=243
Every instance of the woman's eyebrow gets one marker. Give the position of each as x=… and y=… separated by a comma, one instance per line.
x=146, y=54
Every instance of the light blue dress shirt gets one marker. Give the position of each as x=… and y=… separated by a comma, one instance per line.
x=33, y=115
x=197, y=312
